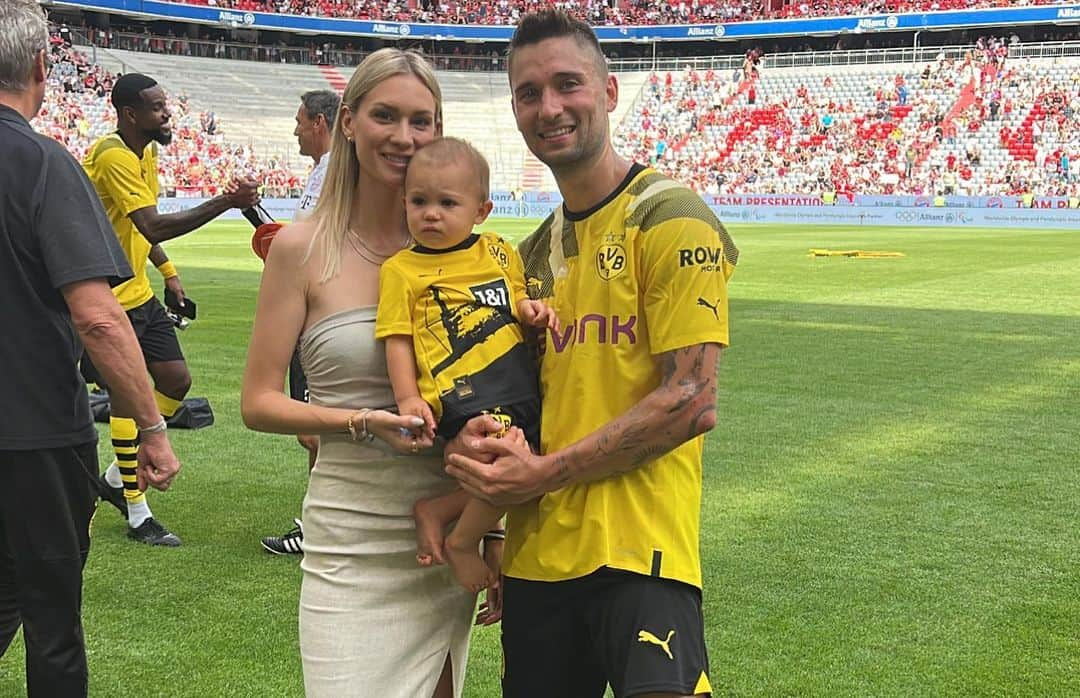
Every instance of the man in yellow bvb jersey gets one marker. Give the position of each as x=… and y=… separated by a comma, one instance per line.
x=123, y=168
x=602, y=570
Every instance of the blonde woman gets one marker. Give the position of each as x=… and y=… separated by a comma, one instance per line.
x=372, y=623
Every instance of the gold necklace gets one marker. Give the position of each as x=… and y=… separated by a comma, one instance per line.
x=359, y=246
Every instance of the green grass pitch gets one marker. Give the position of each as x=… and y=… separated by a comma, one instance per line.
x=890, y=504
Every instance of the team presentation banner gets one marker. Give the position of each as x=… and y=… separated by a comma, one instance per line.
x=922, y=217
x=539, y=205
x=866, y=24
x=1044, y=202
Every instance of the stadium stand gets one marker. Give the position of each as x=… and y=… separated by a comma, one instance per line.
x=887, y=129
x=597, y=12
x=974, y=123
x=477, y=107
x=200, y=159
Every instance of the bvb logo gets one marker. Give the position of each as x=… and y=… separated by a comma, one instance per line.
x=504, y=420
x=500, y=256
x=610, y=261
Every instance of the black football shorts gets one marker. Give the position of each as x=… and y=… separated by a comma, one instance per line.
x=571, y=638
x=156, y=334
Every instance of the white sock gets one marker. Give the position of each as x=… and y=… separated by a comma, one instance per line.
x=137, y=513
x=112, y=475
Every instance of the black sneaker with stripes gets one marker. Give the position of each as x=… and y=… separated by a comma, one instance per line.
x=292, y=543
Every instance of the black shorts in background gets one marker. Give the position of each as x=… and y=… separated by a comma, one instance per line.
x=571, y=638
x=156, y=334
x=298, y=389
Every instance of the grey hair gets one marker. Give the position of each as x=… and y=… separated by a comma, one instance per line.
x=323, y=102
x=23, y=32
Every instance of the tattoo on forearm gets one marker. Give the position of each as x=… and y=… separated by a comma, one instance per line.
x=607, y=444
x=667, y=367
x=647, y=431
x=562, y=470
x=634, y=435
x=690, y=390
x=649, y=453
x=704, y=414
x=694, y=383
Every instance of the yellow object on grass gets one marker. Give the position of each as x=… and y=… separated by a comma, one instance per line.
x=867, y=254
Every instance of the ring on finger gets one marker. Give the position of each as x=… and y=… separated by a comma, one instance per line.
x=414, y=448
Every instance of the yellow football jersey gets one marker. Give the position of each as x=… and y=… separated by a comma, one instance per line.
x=642, y=273
x=126, y=183
x=459, y=307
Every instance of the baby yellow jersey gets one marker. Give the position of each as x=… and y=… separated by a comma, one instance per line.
x=459, y=306
x=642, y=273
x=125, y=183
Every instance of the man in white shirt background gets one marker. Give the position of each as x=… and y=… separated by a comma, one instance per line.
x=315, y=119
x=314, y=125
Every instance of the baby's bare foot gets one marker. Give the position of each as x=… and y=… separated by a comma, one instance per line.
x=429, y=535
x=469, y=568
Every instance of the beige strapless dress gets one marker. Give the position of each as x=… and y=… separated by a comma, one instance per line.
x=372, y=622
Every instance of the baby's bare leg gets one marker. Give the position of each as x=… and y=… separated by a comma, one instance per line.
x=463, y=545
x=432, y=516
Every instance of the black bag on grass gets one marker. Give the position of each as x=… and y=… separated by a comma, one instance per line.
x=193, y=413
x=99, y=406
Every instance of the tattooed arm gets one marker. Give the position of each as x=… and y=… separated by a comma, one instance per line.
x=682, y=407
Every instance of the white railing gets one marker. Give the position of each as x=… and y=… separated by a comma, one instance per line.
x=308, y=56
x=913, y=54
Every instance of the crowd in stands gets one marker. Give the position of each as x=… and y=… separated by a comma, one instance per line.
x=459, y=56
x=980, y=124
x=599, y=12
x=199, y=161
x=977, y=125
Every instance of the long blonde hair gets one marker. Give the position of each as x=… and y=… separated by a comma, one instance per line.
x=331, y=214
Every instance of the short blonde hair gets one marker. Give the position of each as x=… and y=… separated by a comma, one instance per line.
x=447, y=150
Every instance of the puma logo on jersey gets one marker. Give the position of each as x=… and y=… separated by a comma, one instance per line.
x=646, y=636
x=711, y=306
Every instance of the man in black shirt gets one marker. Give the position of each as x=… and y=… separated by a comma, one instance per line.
x=58, y=257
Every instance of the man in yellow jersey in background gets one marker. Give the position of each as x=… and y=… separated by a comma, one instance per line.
x=602, y=567
x=123, y=168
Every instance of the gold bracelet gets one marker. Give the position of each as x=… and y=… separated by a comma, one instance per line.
x=361, y=434
x=364, y=430
x=351, y=425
